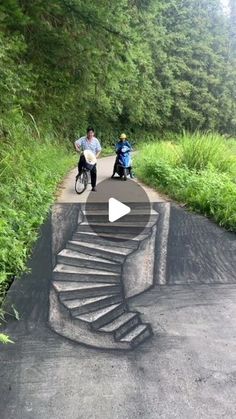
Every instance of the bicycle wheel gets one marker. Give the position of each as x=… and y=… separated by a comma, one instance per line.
x=81, y=183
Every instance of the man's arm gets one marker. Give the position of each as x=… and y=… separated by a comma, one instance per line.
x=119, y=146
x=129, y=145
x=78, y=144
x=98, y=149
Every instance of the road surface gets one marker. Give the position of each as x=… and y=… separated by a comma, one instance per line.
x=186, y=370
x=66, y=192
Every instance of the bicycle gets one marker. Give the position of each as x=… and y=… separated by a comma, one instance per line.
x=81, y=182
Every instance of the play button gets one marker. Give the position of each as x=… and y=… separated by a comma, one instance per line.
x=117, y=210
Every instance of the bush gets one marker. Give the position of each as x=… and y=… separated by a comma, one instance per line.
x=198, y=170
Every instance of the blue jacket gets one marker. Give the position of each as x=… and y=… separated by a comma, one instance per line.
x=121, y=144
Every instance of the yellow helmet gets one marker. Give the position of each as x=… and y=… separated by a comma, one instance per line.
x=123, y=136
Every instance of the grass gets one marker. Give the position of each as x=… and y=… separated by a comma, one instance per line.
x=31, y=166
x=107, y=151
x=199, y=170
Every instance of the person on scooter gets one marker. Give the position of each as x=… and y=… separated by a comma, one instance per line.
x=89, y=142
x=121, y=143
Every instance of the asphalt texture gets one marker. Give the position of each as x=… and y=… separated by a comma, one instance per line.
x=187, y=369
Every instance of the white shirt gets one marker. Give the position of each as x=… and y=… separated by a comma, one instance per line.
x=92, y=145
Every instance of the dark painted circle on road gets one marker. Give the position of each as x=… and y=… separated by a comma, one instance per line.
x=127, y=227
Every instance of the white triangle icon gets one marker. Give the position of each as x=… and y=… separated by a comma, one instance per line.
x=117, y=210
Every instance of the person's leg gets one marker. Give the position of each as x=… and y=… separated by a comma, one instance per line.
x=114, y=167
x=114, y=170
x=94, y=176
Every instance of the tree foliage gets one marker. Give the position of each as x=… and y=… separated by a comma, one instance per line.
x=156, y=65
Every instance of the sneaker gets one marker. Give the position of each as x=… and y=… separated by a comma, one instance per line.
x=112, y=176
x=94, y=189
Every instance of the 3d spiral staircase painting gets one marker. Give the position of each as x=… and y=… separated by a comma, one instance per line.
x=96, y=274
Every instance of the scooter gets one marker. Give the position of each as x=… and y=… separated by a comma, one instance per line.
x=124, y=163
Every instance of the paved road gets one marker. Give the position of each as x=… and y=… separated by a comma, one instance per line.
x=67, y=193
x=187, y=370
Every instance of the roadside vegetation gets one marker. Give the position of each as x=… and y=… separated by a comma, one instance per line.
x=198, y=170
x=31, y=168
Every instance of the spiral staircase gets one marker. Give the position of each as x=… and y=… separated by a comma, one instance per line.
x=87, y=298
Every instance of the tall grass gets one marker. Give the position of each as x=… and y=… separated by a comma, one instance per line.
x=199, y=170
x=200, y=151
x=31, y=165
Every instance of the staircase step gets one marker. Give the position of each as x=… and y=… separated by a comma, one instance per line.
x=121, y=325
x=122, y=224
x=105, y=211
x=70, y=257
x=72, y=290
x=119, y=240
x=115, y=228
x=86, y=305
x=133, y=216
x=81, y=274
x=137, y=335
x=106, y=251
x=102, y=316
x=102, y=207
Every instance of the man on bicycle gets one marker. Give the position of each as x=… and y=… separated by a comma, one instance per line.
x=89, y=142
